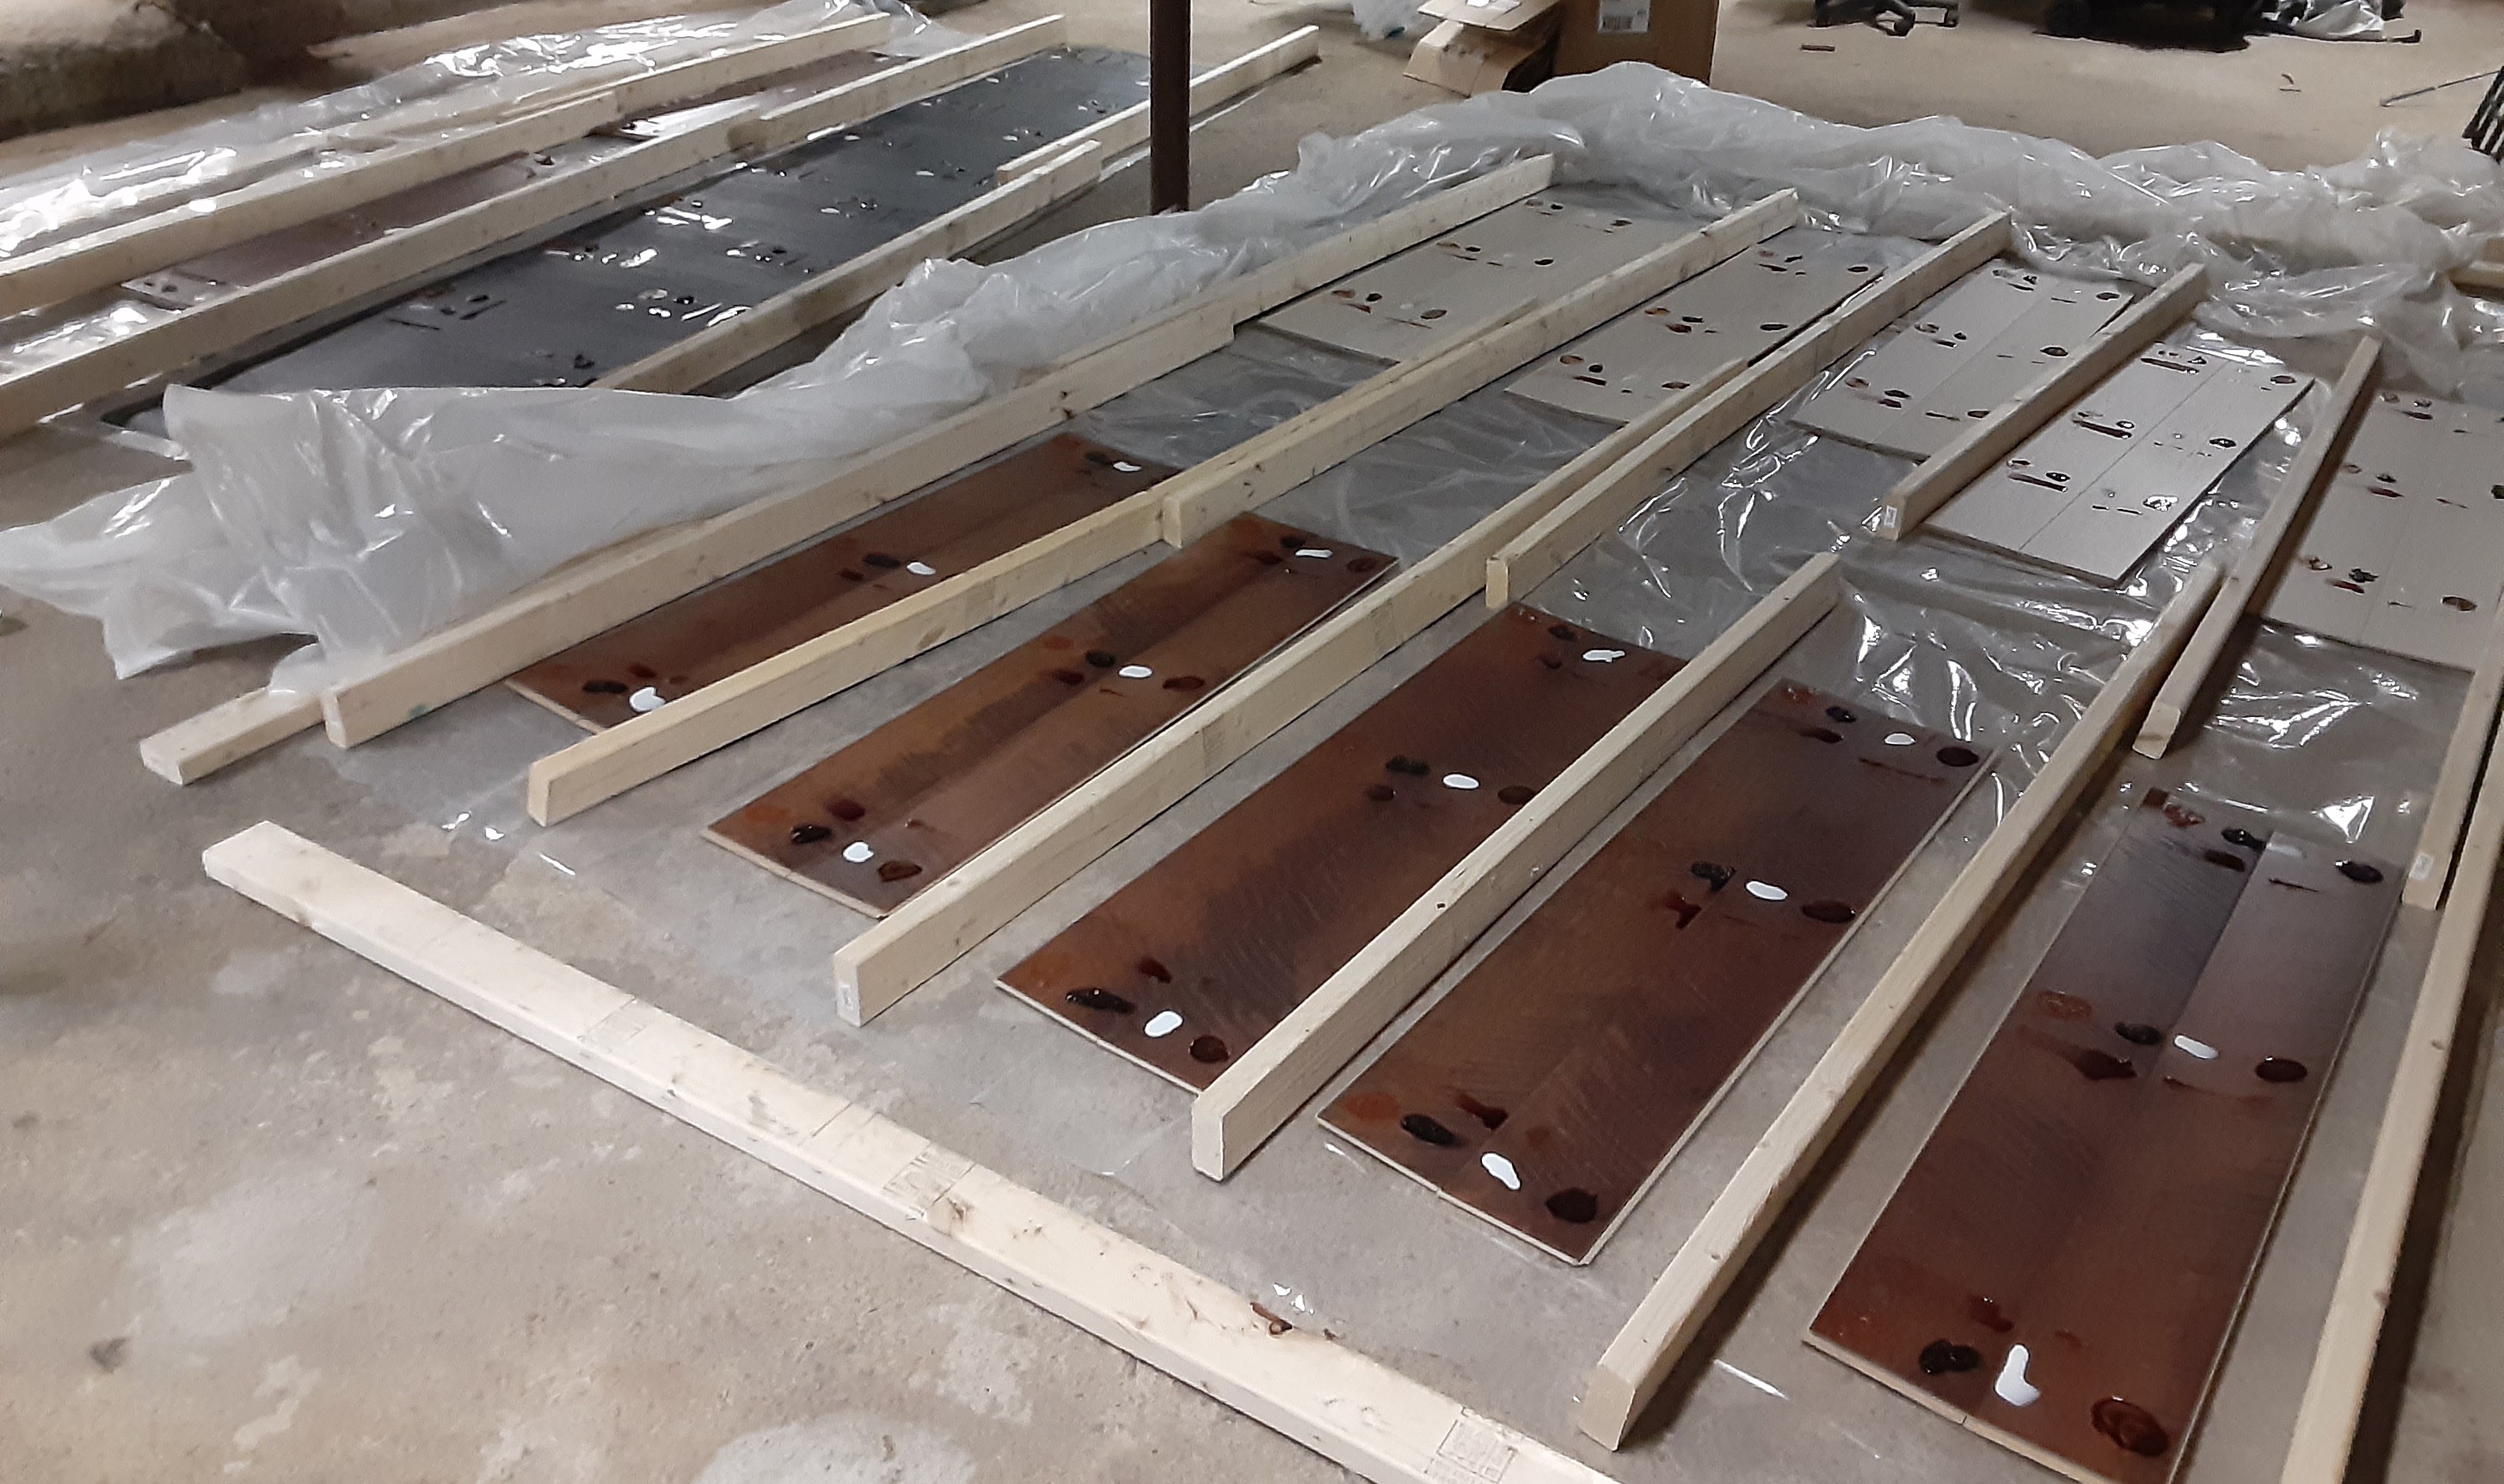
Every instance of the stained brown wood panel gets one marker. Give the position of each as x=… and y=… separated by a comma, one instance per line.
x=2100, y=1190
x=1575, y=1058
x=1198, y=958
x=886, y=817
x=707, y=636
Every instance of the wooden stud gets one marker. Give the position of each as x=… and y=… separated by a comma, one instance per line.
x=978, y=898
x=1355, y=1411
x=1262, y=1088
x=700, y=77
x=1935, y=479
x=609, y=587
x=1128, y=128
x=2463, y=757
x=201, y=746
x=2343, y=1361
x=1532, y=557
x=866, y=98
x=1639, y=1359
x=1200, y=499
x=2480, y=277
x=2263, y=558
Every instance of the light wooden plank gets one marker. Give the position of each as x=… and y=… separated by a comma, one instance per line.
x=701, y=76
x=971, y=903
x=193, y=748
x=633, y=577
x=2480, y=277
x=1200, y=499
x=1933, y=481
x=1630, y=1372
x=1352, y=1410
x=866, y=98
x=1261, y=1089
x=2256, y=570
x=1538, y=552
x=2343, y=1361
x=2463, y=757
x=1128, y=128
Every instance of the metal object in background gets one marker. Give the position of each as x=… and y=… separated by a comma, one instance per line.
x=2486, y=131
x=1169, y=105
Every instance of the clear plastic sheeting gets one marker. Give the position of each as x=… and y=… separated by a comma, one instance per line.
x=2325, y=20
x=330, y=132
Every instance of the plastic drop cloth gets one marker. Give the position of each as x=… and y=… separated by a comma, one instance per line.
x=95, y=190
x=368, y=518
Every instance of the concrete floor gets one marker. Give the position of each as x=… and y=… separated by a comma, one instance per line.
x=272, y=1212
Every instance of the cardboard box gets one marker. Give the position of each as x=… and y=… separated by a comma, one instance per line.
x=1473, y=59
x=1489, y=14
x=1672, y=34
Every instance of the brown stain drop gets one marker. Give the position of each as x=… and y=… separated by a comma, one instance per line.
x=643, y=672
x=1574, y=1206
x=1684, y=908
x=1155, y=970
x=1719, y=876
x=1958, y=756
x=1100, y=999
x=2101, y=1066
x=1364, y=564
x=1426, y=1130
x=1276, y=1325
x=1071, y=676
x=844, y=809
x=1101, y=658
x=2235, y=835
x=1986, y=1313
x=1516, y=794
x=1208, y=1048
x=2227, y=859
x=2130, y=1424
x=2279, y=1069
x=1840, y=715
x=809, y=834
x=2063, y=1007
x=603, y=687
x=1560, y=631
x=897, y=871
x=1941, y=1358
x=2182, y=818
x=1382, y=793
x=2360, y=873
x=1187, y=684
x=1373, y=1107
x=1827, y=909
x=1821, y=734
x=1492, y=1117
x=2138, y=1033
x=881, y=560
x=1416, y=768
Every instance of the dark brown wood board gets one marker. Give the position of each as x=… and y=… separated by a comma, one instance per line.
x=1199, y=957
x=2099, y=1192
x=1550, y=1087
x=708, y=636
x=902, y=807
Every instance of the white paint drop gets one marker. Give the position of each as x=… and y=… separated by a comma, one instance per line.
x=1126, y=467
x=492, y=833
x=2200, y=1049
x=645, y=700
x=857, y=851
x=1165, y=1023
x=1502, y=1169
x=922, y=569
x=1313, y=551
x=1899, y=739
x=2013, y=1386
x=1135, y=671
x=1459, y=780
x=1767, y=891
x=1604, y=656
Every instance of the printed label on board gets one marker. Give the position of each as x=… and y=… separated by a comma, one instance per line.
x=1625, y=17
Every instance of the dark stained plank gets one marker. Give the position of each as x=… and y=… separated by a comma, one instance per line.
x=2099, y=1192
x=1576, y=1056
x=707, y=636
x=899, y=809
x=1198, y=958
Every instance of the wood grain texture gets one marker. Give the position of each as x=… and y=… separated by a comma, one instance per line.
x=929, y=789
x=2088, y=1213
x=1231, y=931
x=1586, y=1045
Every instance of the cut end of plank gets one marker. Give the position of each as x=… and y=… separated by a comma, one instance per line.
x=1498, y=583
x=1208, y=1154
x=2156, y=736
x=1606, y=1414
x=191, y=750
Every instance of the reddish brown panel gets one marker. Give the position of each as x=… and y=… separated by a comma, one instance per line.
x=705, y=637
x=904, y=806
x=1195, y=961
x=1549, y=1086
x=2063, y=1264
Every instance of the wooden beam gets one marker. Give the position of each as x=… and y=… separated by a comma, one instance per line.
x=1202, y=499
x=2263, y=558
x=732, y=343
x=2342, y=1360
x=1128, y=128
x=1355, y=1411
x=2464, y=756
x=1674, y=1312
x=1261, y=1089
x=1531, y=557
x=609, y=587
x=866, y=98
x=1937, y=479
x=978, y=898
x=192, y=749
x=2480, y=277
x=699, y=77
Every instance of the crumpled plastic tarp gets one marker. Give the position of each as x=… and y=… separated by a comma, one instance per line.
x=368, y=518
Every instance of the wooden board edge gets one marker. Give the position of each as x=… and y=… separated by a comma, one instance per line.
x=2464, y=755
x=1221, y=83
x=196, y=746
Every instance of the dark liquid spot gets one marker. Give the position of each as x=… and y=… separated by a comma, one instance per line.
x=1291, y=540
x=845, y=809
x=2279, y=1069
x=2129, y=1424
x=1684, y=908
x=2359, y=872
x=1380, y=793
x=1268, y=558
x=1959, y=757
x=1516, y=793
x=1838, y=714
x=1155, y=971
x=850, y=575
x=603, y=687
x=1707, y=871
x=1821, y=734
x=2236, y=835
x=2139, y=1034
x=1551, y=662
x=2182, y=818
x=1187, y=684
x=880, y=559
x=1071, y=676
x=1986, y=1313
x=1827, y=910
x=1100, y=659
x=643, y=672
x=1491, y=1116
x=1577, y=1205
x=897, y=871
x=1100, y=999
x=1364, y=564
x=1208, y=1048
x=1099, y=457
x=1559, y=631
x=1941, y=1357
x=809, y=834
x=2063, y=1007
x=1415, y=766
x=2101, y=1066
x=2222, y=858
x=1426, y=1130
